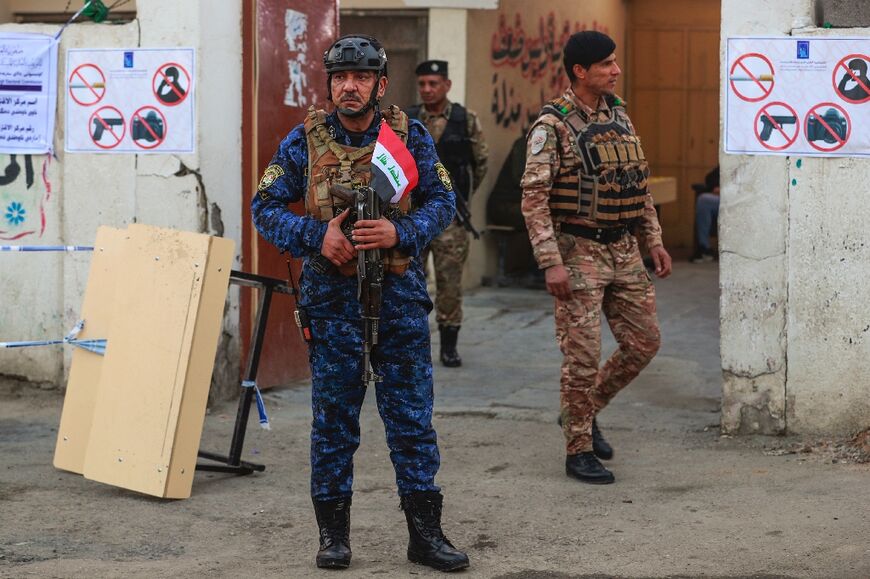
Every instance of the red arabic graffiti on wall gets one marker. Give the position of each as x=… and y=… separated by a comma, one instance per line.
x=538, y=59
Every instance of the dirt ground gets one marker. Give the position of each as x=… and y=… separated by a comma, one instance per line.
x=686, y=504
x=687, y=501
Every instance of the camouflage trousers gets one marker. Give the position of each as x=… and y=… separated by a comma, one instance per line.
x=613, y=278
x=403, y=358
x=449, y=254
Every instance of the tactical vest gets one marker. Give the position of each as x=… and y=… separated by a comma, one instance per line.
x=331, y=163
x=454, y=147
x=607, y=181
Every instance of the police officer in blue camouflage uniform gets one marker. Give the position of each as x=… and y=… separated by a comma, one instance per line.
x=336, y=148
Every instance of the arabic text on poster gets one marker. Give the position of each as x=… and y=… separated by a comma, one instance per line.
x=28, y=94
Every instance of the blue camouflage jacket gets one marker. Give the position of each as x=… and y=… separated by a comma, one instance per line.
x=332, y=295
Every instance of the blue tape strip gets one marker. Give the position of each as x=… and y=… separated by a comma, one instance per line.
x=261, y=407
x=46, y=248
x=97, y=346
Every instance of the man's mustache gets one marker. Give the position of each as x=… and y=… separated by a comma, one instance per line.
x=351, y=98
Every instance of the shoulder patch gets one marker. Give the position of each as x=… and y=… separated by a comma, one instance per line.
x=270, y=175
x=538, y=140
x=444, y=176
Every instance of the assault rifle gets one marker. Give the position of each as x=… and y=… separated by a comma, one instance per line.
x=365, y=204
x=463, y=215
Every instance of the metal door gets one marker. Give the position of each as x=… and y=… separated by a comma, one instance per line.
x=283, y=44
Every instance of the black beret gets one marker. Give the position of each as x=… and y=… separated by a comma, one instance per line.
x=586, y=48
x=432, y=67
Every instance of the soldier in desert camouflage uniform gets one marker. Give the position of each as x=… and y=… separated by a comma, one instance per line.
x=461, y=147
x=587, y=207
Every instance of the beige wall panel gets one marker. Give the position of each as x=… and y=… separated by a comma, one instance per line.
x=84, y=376
x=152, y=379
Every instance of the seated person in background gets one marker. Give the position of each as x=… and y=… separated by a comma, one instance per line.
x=706, y=214
x=503, y=205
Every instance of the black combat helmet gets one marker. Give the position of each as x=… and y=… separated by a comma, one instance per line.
x=356, y=52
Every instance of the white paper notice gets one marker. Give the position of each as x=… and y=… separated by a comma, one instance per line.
x=137, y=100
x=28, y=92
x=798, y=96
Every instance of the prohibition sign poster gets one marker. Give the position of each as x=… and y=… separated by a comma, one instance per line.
x=805, y=96
x=137, y=100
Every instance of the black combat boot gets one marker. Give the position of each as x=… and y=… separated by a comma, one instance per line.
x=333, y=518
x=600, y=447
x=586, y=468
x=427, y=544
x=449, y=355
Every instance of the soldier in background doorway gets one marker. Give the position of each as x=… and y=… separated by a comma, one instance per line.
x=461, y=147
x=586, y=206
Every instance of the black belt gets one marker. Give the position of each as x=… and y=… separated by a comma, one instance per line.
x=604, y=235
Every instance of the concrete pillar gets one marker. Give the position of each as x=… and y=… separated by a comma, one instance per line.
x=793, y=236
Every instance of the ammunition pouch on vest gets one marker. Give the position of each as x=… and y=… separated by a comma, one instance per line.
x=330, y=163
x=608, y=180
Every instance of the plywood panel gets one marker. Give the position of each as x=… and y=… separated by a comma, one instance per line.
x=200, y=366
x=153, y=386
x=84, y=375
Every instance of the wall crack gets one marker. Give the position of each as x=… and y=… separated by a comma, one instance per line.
x=752, y=258
x=210, y=220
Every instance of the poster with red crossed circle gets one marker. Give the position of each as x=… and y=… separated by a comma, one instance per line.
x=752, y=77
x=797, y=95
x=776, y=126
x=107, y=127
x=827, y=127
x=171, y=84
x=152, y=96
x=850, y=78
x=87, y=84
x=148, y=127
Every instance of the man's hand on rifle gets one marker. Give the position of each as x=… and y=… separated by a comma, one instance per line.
x=375, y=234
x=336, y=248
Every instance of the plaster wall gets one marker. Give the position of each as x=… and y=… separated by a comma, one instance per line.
x=199, y=192
x=792, y=235
x=829, y=306
x=451, y=47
